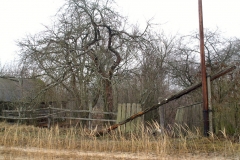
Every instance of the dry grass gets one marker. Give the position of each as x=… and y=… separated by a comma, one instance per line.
x=59, y=143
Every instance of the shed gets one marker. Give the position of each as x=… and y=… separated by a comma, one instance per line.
x=18, y=90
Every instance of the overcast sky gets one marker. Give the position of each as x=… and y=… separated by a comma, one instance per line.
x=21, y=17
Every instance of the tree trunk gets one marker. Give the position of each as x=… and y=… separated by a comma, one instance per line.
x=108, y=98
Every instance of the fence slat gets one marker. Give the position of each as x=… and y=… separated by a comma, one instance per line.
x=119, y=113
x=128, y=114
x=139, y=120
x=134, y=122
x=124, y=112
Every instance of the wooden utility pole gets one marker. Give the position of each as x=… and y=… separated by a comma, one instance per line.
x=203, y=70
x=164, y=101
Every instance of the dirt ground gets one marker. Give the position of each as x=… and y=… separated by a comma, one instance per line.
x=17, y=153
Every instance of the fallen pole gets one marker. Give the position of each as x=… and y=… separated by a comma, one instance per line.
x=164, y=101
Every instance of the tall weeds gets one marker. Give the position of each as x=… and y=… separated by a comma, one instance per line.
x=173, y=140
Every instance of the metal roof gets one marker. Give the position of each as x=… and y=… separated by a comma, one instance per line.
x=14, y=89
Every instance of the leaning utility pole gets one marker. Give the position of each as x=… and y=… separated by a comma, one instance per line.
x=203, y=70
x=164, y=101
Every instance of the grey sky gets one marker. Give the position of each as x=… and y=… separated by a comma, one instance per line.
x=21, y=17
x=182, y=15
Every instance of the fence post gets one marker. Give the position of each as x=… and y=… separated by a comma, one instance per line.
x=5, y=115
x=52, y=116
x=49, y=117
x=90, y=117
x=19, y=114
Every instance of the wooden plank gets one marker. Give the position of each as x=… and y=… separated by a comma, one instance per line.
x=124, y=109
x=128, y=114
x=134, y=122
x=8, y=114
x=181, y=116
x=83, y=111
x=119, y=113
x=139, y=120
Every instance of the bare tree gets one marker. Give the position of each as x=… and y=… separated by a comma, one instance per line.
x=185, y=66
x=83, y=50
x=148, y=80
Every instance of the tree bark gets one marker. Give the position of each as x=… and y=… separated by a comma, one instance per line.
x=108, y=98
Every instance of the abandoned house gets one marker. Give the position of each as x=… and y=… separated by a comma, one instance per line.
x=20, y=94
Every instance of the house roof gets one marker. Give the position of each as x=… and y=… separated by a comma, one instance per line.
x=14, y=89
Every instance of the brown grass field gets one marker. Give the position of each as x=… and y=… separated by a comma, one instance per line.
x=28, y=142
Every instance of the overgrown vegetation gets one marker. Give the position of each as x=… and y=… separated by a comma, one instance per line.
x=92, y=56
x=177, y=142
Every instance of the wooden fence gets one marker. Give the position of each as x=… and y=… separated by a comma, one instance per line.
x=191, y=115
x=47, y=117
x=226, y=116
x=50, y=116
x=124, y=112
